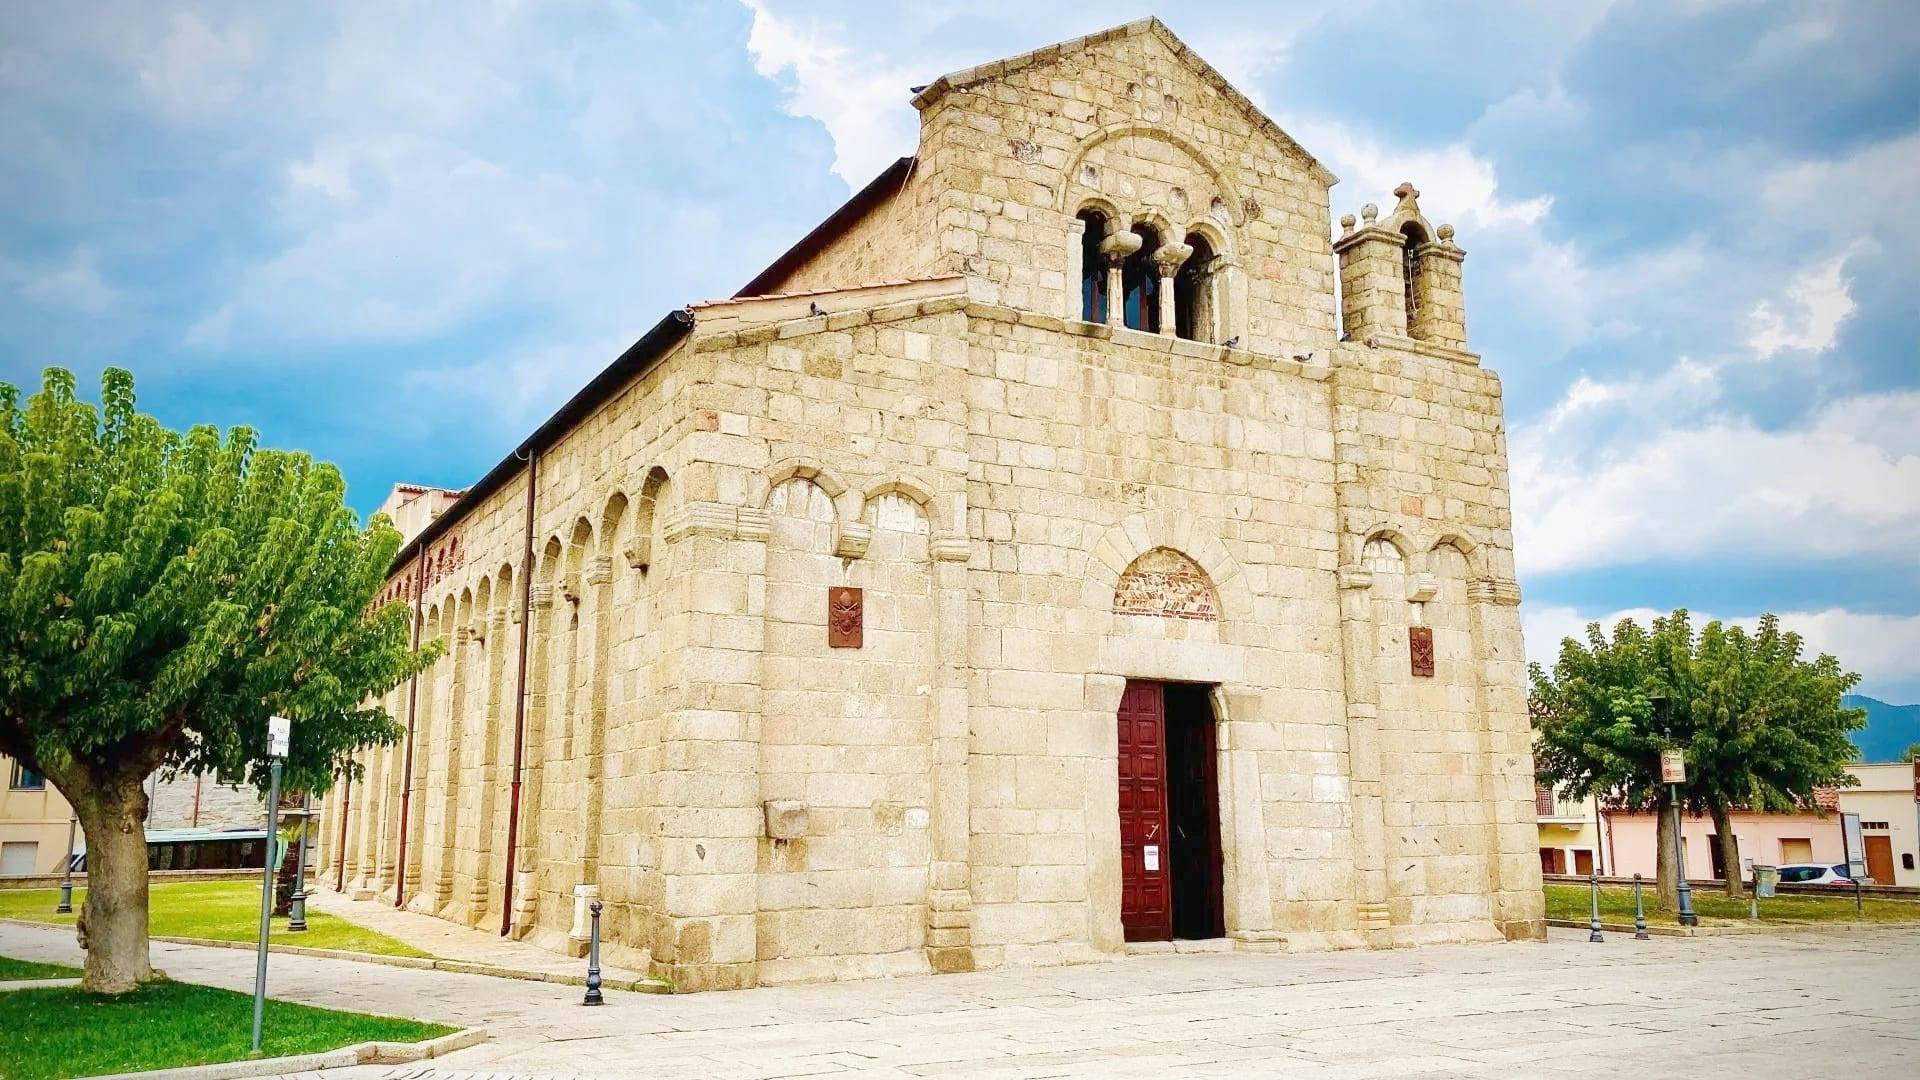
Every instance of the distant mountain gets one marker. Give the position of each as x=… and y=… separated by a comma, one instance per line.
x=1890, y=728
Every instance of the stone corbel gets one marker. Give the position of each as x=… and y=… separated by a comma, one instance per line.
x=569, y=588
x=715, y=519
x=1355, y=576
x=853, y=539
x=463, y=634
x=599, y=570
x=541, y=595
x=1422, y=587
x=639, y=552
x=951, y=547
x=1498, y=591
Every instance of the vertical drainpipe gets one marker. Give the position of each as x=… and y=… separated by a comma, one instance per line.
x=413, y=708
x=346, y=799
x=520, y=699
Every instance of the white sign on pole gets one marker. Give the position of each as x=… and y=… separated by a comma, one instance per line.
x=279, y=736
x=1673, y=766
x=1855, y=845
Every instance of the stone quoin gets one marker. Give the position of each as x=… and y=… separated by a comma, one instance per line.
x=1071, y=397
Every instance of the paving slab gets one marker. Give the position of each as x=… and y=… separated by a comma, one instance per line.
x=1779, y=1005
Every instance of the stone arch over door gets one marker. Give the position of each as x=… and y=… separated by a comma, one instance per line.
x=1174, y=644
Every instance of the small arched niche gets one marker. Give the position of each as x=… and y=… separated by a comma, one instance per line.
x=1163, y=583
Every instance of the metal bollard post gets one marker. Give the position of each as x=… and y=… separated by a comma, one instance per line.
x=1593, y=893
x=593, y=958
x=1639, y=912
x=65, y=906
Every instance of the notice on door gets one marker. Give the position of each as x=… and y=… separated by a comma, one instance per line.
x=1151, y=856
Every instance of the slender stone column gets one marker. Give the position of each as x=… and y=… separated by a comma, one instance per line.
x=1167, y=260
x=1363, y=752
x=1076, y=234
x=599, y=583
x=950, y=914
x=533, y=765
x=494, y=708
x=1114, y=251
x=453, y=715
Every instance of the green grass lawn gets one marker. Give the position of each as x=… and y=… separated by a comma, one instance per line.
x=46, y=1034
x=12, y=970
x=220, y=910
x=1712, y=905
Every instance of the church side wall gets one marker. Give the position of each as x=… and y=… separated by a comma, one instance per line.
x=598, y=646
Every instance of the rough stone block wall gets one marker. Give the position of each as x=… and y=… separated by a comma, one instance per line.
x=1037, y=509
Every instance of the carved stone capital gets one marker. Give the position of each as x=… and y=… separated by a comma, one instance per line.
x=1501, y=592
x=853, y=540
x=1118, y=247
x=540, y=595
x=1422, y=587
x=752, y=523
x=1355, y=576
x=463, y=634
x=1169, y=257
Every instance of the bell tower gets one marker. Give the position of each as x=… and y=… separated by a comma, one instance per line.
x=1401, y=276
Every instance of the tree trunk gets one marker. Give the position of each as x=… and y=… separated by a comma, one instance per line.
x=1729, y=849
x=113, y=921
x=1666, y=891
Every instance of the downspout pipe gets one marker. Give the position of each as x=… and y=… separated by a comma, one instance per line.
x=413, y=709
x=520, y=696
x=346, y=803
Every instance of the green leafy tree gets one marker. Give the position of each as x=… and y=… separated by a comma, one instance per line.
x=1768, y=727
x=1761, y=727
x=161, y=595
x=1911, y=752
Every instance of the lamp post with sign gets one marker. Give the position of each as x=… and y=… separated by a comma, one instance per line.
x=279, y=736
x=1855, y=846
x=65, y=906
x=1673, y=773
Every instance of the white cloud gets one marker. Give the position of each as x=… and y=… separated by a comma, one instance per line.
x=1884, y=649
x=1845, y=483
x=197, y=69
x=1809, y=317
x=860, y=99
x=74, y=283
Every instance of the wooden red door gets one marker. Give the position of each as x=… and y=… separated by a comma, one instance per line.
x=1146, y=908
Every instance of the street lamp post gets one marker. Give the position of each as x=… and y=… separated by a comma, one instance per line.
x=297, y=914
x=279, y=735
x=65, y=906
x=1673, y=773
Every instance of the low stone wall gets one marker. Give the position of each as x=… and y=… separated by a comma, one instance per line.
x=1875, y=892
x=156, y=877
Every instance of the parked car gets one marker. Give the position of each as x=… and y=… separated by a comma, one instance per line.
x=1814, y=874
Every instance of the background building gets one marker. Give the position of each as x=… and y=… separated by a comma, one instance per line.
x=1884, y=799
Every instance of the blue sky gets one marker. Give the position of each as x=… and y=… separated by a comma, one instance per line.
x=399, y=235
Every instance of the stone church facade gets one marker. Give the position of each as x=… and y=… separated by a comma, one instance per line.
x=1046, y=554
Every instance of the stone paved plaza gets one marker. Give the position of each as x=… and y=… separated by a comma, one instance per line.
x=1819, y=1003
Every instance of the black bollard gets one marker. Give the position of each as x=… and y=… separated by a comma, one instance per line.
x=593, y=959
x=1593, y=892
x=1639, y=912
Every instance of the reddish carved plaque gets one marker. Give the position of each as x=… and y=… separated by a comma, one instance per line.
x=1420, y=648
x=846, y=617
